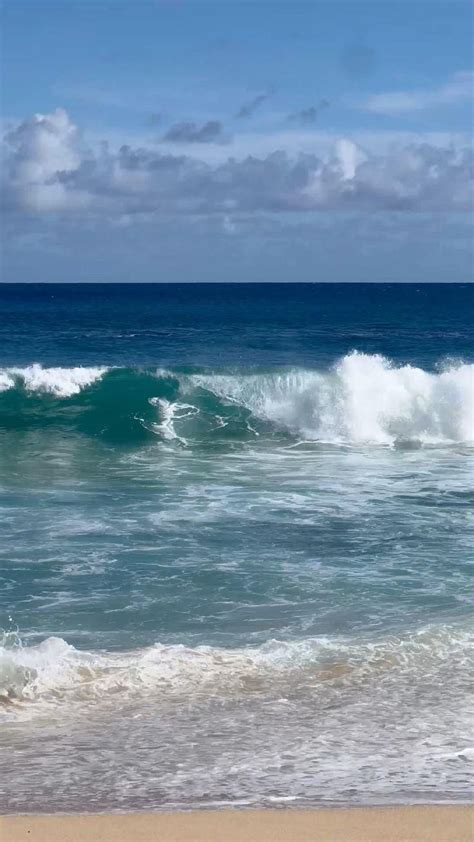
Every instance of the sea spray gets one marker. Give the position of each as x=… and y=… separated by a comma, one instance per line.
x=362, y=399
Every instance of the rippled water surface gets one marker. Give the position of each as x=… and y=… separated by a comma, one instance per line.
x=236, y=545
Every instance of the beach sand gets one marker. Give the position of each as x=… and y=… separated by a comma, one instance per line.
x=396, y=824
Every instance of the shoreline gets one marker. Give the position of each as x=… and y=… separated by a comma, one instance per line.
x=416, y=823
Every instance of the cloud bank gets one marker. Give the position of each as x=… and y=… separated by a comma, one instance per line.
x=48, y=168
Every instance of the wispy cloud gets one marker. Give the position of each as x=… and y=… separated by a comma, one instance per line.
x=187, y=132
x=458, y=88
x=249, y=108
x=309, y=116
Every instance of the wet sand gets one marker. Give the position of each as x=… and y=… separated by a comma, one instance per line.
x=391, y=824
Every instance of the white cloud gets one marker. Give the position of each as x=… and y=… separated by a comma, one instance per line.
x=458, y=88
x=350, y=156
x=48, y=168
x=40, y=149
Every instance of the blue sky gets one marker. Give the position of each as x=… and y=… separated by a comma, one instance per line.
x=185, y=140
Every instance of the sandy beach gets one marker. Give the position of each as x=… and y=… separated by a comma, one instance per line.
x=397, y=824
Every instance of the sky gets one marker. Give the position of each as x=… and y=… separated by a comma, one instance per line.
x=179, y=140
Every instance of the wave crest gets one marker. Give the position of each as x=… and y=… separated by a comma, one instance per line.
x=60, y=382
x=363, y=399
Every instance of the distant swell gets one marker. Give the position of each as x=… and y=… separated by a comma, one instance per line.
x=363, y=399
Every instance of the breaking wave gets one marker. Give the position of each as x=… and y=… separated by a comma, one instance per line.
x=60, y=382
x=54, y=672
x=362, y=399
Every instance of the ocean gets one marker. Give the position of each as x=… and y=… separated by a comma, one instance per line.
x=236, y=545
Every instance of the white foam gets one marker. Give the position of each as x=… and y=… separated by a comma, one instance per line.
x=6, y=381
x=53, y=672
x=60, y=382
x=364, y=398
x=171, y=412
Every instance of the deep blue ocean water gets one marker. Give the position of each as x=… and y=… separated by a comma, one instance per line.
x=247, y=325
x=236, y=544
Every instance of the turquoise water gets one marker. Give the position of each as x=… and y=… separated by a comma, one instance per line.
x=236, y=546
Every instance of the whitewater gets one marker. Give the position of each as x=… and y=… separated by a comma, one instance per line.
x=236, y=546
x=361, y=399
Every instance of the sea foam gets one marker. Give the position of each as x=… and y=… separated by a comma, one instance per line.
x=60, y=382
x=362, y=399
x=54, y=673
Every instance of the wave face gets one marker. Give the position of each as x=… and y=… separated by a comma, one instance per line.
x=362, y=399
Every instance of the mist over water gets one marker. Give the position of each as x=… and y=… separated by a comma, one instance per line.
x=236, y=547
